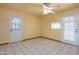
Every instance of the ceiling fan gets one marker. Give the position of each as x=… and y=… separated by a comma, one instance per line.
x=46, y=9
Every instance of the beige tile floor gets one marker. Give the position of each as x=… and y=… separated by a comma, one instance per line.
x=38, y=46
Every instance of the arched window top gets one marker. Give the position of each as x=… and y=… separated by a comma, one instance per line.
x=15, y=23
x=16, y=20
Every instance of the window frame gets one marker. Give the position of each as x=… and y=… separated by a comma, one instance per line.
x=15, y=23
x=54, y=25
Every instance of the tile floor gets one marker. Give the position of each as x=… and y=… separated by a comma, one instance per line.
x=38, y=46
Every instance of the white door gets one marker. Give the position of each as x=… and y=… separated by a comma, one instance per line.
x=77, y=28
x=70, y=29
x=15, y=29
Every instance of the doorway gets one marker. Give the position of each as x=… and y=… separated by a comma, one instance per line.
x=15, y=29
x=70, y=29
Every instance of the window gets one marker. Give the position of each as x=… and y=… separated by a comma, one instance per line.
x=15, y=24
x=55, y=25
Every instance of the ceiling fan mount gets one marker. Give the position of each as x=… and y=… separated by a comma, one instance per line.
x=46, y=4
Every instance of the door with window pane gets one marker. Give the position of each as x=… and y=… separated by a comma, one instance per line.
x=69, y=30
x=15, y=29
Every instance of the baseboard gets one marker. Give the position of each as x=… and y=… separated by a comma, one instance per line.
x=4, y=43
x=59, y=41
x=22, y=40
x=51, y=39
x=32, y=38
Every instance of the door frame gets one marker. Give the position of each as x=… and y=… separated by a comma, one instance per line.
x=62, y=31
x=10, y=19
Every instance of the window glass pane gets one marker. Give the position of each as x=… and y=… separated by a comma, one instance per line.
x=58, y=25
x=13, y=26
x=16, y=20
x=55, y=25
x=17, y=26
x=16, y=23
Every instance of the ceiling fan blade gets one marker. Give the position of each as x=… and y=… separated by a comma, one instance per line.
x=53, y=12
x=45, y=7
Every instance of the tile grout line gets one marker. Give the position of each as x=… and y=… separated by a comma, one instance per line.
x=20, y=49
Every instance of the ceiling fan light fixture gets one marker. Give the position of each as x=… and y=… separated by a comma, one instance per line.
x=47, y=11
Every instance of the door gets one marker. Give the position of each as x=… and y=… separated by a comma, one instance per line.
x=70, y=29
x=15, y=29
x=77, y=28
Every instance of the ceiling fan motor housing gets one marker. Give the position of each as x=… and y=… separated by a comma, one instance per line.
x=46, y=4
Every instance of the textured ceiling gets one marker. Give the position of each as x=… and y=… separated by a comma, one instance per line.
x=35, y=8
